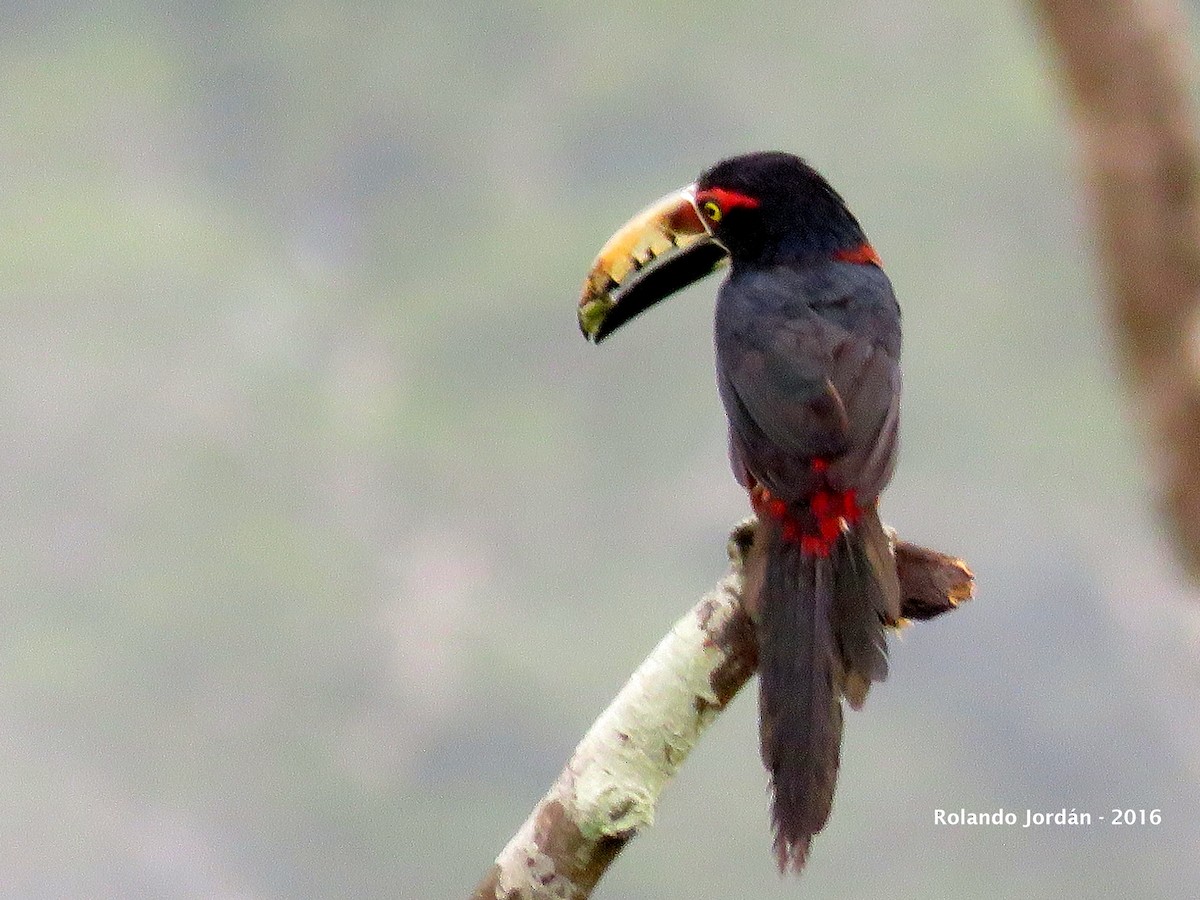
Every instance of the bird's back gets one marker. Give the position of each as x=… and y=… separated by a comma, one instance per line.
x=808, y=366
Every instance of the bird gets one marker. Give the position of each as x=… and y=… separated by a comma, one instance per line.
x=807, y=343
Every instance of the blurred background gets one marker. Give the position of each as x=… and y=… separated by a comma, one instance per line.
x=326, y=536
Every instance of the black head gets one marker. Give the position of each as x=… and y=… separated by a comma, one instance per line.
x=770, y=208
x=761, y=209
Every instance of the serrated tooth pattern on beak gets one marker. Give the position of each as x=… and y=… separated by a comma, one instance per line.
x=670, y=223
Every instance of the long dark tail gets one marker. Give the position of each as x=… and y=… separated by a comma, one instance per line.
x=800, y=715
x=820, y=637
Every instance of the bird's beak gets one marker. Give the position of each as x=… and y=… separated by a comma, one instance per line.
x=661, y=250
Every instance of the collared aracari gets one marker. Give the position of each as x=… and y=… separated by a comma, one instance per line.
x=807, y=338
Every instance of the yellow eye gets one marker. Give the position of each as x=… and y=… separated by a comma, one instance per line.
x=712, y=210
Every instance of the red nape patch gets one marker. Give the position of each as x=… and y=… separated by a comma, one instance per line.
x=863, y=255
x=726, y=199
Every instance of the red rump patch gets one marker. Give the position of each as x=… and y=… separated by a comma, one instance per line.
x=776, y=508
x=819, y=526
x=864, y=255
x=726, y=199
x=814, y=545
x=791, y=531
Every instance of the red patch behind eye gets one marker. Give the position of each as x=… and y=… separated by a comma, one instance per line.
x=727, y=200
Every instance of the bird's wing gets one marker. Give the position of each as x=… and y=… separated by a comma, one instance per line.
x=783, y=388
x=813, y=375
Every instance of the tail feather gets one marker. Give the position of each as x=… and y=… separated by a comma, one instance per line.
x=866, y=597
x=821, y=637
x=876, y=548
x=800, y=679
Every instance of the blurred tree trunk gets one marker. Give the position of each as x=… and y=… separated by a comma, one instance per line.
x=1127, y=67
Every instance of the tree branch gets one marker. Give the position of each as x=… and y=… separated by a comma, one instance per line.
x=1128, y=71
x=608, y=790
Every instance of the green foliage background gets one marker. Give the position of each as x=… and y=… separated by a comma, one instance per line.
x=325, y=536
